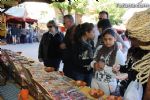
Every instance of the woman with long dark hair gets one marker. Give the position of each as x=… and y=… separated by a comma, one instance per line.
x=82, y=52
x=104, y=25
x=105, y=57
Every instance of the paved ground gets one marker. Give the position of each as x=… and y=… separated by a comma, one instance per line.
x=28, y=50
x=10, y=91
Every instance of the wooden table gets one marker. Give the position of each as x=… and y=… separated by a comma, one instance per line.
x=31, y=79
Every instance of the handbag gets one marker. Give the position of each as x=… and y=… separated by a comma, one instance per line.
x=134, y=91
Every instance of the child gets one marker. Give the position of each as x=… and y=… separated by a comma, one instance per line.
x=106, y=56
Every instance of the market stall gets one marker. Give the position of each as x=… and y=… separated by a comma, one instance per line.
x=46, y=85
x=12, y=20
x=18, y=15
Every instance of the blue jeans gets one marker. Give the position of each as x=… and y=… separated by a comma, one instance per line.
x=83, y=77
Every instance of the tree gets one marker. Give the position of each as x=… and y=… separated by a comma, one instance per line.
x=80, y=7
x=62, y=7
x=77, y=6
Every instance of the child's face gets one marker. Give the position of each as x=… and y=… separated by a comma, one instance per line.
x=109, y=40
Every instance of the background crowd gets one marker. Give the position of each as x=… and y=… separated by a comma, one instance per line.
x=16, y=34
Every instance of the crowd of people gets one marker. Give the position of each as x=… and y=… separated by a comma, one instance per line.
x=16, y=34
x=91, y=53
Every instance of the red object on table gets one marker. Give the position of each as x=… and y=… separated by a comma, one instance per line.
x=24, y=94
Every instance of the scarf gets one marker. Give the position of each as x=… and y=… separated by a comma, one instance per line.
x=107, y=55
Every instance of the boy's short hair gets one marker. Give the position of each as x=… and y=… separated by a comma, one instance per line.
x=104, y=12
x=69, y=17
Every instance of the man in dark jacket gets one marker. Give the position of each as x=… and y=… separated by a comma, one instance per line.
x=67, y=45
x=49, y=49
x=135, y=54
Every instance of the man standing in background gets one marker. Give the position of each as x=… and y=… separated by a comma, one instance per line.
x=14, y=34
x=18, y=30
x=102, y=15
x=67, y=45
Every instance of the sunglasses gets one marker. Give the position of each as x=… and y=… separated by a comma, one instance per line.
x=49, y=26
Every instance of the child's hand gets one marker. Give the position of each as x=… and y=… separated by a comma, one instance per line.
x=116, y=68
x=99, y=65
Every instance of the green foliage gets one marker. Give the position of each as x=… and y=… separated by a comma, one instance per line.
x=63, y=5
x=81, y=7
x=115, y=13
x=77, y=6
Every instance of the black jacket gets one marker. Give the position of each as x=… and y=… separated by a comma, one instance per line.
x=67, y=53
x=82, y=56
x=49, y=46
x=134, y=54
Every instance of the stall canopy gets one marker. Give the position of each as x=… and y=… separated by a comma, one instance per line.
x=9, y=3
x=19, y=13
x=19, y=19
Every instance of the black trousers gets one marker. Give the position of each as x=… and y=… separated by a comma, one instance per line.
x=68, y=71
x=52, y=63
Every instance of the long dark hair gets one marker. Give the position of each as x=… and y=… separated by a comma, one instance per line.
x=108, y=51
x=109, y=31
x=81, y=30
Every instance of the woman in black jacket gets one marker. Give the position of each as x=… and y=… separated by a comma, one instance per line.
x=135, y=54
x=82, y=52
x=49, y=49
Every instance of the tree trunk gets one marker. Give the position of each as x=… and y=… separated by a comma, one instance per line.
x=69, y=9
x=62, y=12
x=59, y=15
x=78, y=18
